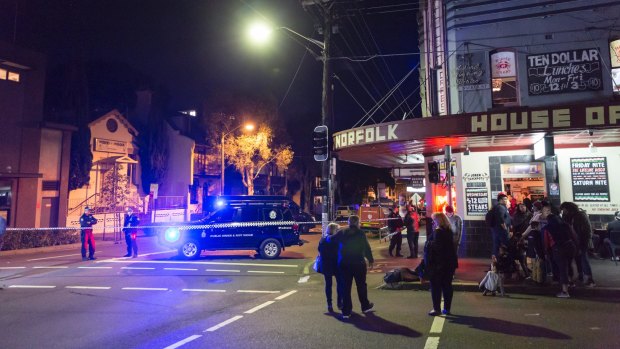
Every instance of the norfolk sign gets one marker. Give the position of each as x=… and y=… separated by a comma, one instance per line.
x=373, y=134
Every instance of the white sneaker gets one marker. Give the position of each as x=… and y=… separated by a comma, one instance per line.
x=563, y=295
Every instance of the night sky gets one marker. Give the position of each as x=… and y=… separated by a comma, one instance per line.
x=195, y=48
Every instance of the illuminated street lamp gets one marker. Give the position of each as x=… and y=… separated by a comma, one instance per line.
x=247, y=127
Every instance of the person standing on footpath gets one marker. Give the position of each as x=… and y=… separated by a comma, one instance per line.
x=579, y=221
x=501, y=223
x=86, y=235
x=412, y=223
x=456, y=224
x=131, y=221
x=328, y=249
x=353, y=247
x=441, y=262
x=396, y=225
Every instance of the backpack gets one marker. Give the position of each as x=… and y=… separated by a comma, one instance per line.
x=392, y=276
x=489, y=218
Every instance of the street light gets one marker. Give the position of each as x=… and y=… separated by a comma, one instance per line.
x=247, y=127
x=260, y=33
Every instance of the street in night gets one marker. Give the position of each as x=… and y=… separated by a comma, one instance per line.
x=309, y=173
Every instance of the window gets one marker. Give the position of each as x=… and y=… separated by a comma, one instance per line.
x=13, y=76
x=3, y=74
x=505, y=85
x=223, y=216
x=614, y=51
x=9, y=75
x=246, y=214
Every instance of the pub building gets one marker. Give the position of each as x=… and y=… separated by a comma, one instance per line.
x=527, y=100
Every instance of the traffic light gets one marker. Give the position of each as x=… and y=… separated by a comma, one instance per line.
x=320, y=143
x=433, y=172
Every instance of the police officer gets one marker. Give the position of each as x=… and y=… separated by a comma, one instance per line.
x=131, y=221
x=86, y=236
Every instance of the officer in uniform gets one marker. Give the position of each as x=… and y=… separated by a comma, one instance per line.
x=131, y=221
x=86, y=236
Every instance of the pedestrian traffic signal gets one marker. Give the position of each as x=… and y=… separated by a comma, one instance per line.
x=320, y=143
x=433, y=172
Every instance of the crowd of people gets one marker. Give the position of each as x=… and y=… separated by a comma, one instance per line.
x=554, y=239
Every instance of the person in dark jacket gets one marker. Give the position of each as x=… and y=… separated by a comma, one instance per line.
x=131, y=221
x=560, y=239
x=441, y=262
x=353, y=247
x=412, y=223
x=501, y=223
x=86, y=236
x=328, y=249
x=579, y=221
x=395, y=224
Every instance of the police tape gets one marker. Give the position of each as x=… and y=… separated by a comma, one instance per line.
x=182, y=226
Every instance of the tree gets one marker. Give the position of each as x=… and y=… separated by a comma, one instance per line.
x=250, y=153
x=115, y=188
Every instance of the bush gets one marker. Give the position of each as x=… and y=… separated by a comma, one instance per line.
x=20, y=239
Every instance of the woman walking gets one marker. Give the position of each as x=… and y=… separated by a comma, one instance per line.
x=328, y=249
x=441, y=262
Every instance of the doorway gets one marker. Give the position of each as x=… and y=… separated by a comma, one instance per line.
x=522, y=179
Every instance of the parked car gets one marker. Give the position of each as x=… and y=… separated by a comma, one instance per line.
x=263, y=224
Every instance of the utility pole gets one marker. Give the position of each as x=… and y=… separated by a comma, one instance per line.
x=326, y=112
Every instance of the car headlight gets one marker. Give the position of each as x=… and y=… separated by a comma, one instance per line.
x=172, y=235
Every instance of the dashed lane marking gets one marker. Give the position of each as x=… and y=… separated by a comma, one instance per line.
x=224, y=270
x=185, y=269
x=256, y=291
x=144, y=289
x=285, y=295
x=44, y=258
x=138, y=268
x=202, y=263
x=265, y=272
x=117, y=259
x=258, y=307
x=431, y=343
x=89, y=287
x=94, y=267
x=51, y=267
x=182, y=342
x=224, y=323
x=10, y=268
x=303, y=279
x=437, y=326
x=201, y=290
x=31, y=286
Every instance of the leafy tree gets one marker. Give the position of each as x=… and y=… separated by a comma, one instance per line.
x=250, y=153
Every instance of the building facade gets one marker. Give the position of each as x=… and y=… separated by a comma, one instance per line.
x=34, y=154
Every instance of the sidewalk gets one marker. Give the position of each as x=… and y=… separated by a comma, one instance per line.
x=472, y=270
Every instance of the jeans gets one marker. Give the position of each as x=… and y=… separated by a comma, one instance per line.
x=87, y=237
x=583, y=264
x=396, y=241
x=329, y=278
x=442, y=284
x=357, y=272
x=130, y=240
x=563, y=264
x=412, y=241
x=500, y=237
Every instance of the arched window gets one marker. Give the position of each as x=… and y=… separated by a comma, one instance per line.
x=505, y=85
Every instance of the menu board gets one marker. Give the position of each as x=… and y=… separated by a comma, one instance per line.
x=565, y=71
x=589, y=179
x=477, y=198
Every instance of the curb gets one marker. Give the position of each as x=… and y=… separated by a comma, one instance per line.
x=612, y=294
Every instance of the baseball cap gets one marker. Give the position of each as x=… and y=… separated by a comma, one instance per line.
x=501, y=196
x=449, y=209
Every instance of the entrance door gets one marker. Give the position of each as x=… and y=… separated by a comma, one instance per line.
x=522, y=180
x=49, y=212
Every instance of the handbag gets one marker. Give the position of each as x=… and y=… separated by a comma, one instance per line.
x=318, y=264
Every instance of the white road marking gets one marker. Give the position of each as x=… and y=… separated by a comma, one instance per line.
x=534, y=314
x=40, y=259
x=94, y=267
x=224, y=270
x=256, y=291
x=90, y=287
x=144, y=289
x=265, y=272
x=222, y=324
x=258, y=307
x=57, y=267
x=437, y=326
x=431, y=343
x=201, y=290
x=202, y=263
x=121, y=259
x=31, y=286
x=285, y=295
x=187, y=269
x=9, y=268
x=185, y=341
x=303, y=279
x=138, y=268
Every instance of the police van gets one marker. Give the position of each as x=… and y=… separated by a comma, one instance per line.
x=261, y=223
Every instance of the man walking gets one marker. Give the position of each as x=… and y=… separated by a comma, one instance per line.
x=501, y=223
x=131, y=221
x=353, y=247
x=86, y=236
